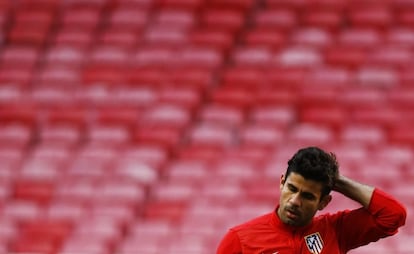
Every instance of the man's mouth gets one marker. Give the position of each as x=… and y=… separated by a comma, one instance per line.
x=292, y=214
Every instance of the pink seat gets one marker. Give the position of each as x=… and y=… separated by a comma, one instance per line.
x=313, y=37
x=18, y=75
x=237, y=170
x=333, y=117
x=276, y=96
x=256, y=57
x=211, y=37
x=327, y=80
x=189, y=98
x=346, y=56
x=163, y=136
x=237, y=97
x=146, y=76
x=211, y=135
x=37, y=191
x=46, y=4
x=280, y=19
x=285, y=76
x=265, y=37
x=80, y=37
x=222, y=115
x=390, y=57
x=361, y=97
x=383, y=117
x=21, y=211
x=400, y=36
x=299, y=57
x=165, y=35
x=187, y=170
x=61, y=210
x=228, y=20
x=179, y=18
x=261, y=136
x=119, y=37
x=108, y=56
x=401, y=135
x=114, y=135
x=117, y=116
x=205, y=153
x=104, y=74
x=65, y=56
x=201, y=57
x=360, y=37
x=21, y=33
x=377, y=76
x=154, y=56
x=120, y=193
x=193, y=77
x=16, y=135
x=128, y=17
x=54, y=75
x=20, y=56
x=164, y=210
x=244, y=77
x=325, y=19
x=193, y=5
x=280, y=116
x=405, y=17
x=365, y=134
x=166, y=115
x=135, y=171
x=83, y=17
x=242, y=5
x=372, y=16
x=153, y=155
x=50, y=96
x=311, y=134
x=182, y=191
x=80, y=244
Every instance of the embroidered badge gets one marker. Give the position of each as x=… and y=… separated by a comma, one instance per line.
x=314, y=243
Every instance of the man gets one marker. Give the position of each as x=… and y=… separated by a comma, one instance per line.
x=292, y=228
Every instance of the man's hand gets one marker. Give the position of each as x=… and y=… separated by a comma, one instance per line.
x=354, y=190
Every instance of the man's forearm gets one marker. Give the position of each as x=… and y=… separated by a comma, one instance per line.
x=354, y=190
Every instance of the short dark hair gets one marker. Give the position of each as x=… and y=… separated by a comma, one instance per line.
x=315, y=164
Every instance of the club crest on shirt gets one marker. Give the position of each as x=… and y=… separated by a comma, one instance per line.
x=314, y=242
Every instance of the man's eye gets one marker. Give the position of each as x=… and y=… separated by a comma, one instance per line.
x=309, y=196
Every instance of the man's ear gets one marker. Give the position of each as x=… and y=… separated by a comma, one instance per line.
x=282, y=181
x=324, y=202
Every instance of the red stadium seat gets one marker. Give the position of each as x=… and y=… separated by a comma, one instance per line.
x=371, y=16
x=265, y=37
x=276, y=19
x=83, y=17
x=215, y=38
x=325, y=19
x=256, y=57
x=227, y=20
x=313, y=37
x=119, y=37
x=346, y=56
x=221, y=115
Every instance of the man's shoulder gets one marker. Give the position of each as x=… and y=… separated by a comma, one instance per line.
x=257, y=222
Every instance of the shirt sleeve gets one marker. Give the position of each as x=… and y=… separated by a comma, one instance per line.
x=230, y=244
x=361, y=226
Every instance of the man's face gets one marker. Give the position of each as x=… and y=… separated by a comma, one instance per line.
x=300, y=199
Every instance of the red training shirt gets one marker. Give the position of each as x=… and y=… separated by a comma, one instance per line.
x=326, y=234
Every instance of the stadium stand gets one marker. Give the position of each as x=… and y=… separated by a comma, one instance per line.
x=151, y=126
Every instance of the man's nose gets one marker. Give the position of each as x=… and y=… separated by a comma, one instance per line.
x=295, y=199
